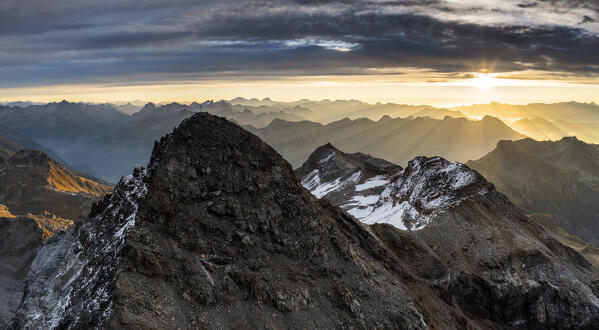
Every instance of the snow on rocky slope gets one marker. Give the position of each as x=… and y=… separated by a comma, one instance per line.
x=386, y=193
x=68, y=283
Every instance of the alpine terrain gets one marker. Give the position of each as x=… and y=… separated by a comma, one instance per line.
x=558, y=178
x=38, y=198
x=217, y=232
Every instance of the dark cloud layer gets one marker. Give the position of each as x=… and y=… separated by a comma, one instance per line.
x=85, y=41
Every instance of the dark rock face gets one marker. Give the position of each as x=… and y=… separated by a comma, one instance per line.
x=216, y=233
x=20, y=239
x=484, y=257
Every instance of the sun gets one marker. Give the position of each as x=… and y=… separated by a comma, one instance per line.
x=484, y=81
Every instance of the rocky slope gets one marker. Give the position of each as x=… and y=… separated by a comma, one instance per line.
x=396, y=139
x=376, y=191
x=31, y=182
x=7, y=148
x=217, y=232
x=20, y=240
x=472, y=246
x=560, y=178
x=38, y=198
x=586, y=249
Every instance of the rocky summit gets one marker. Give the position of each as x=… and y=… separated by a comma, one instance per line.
x=377, y=191
x=468, y=243
x=217, y=233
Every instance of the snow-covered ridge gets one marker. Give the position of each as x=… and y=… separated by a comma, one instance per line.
x=427, y=186
x=407, y=199
x=84, y=264
x=320, y=189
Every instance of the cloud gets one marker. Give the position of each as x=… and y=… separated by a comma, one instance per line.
x=85, y=41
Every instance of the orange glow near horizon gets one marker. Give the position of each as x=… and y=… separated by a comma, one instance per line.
x=415, y=87
x=484, y=81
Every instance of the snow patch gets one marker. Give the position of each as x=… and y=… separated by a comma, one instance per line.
x=313, y=183
x=322, y=190
x=311, y=180
x=327, y=158
x=410, y=198
x=377, y=181
x=85, y=271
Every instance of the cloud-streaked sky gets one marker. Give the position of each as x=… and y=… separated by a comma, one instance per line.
x=204, y=49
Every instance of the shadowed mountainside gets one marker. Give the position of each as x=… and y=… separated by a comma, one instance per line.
x=560, y=178
x=397, y=140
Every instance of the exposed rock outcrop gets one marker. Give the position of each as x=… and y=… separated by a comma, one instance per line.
x=38, y=198
x=20, y=239
x=476, y=249
x=217, y=232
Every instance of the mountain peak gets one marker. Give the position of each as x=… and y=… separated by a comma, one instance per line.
x=570, y=139
x=216, y=203
x=148, y=107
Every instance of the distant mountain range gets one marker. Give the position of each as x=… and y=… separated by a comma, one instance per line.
x=103, y=139
x=559, y=178
x=566, y=111
x=108, y=140
x=542, y=129
x=395, y=139
x=327, y=111
x=60, y=125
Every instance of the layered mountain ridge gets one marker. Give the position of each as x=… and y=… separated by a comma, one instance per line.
x=32, y=182
x=218, y=232
x=108, y=143
x=560, y=178
x=398, y=140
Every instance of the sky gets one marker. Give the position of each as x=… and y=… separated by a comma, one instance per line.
x=417, y=52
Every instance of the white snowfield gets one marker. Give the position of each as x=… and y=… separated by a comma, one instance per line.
x=410, y=197
x=319, y=189
x=377, y=181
